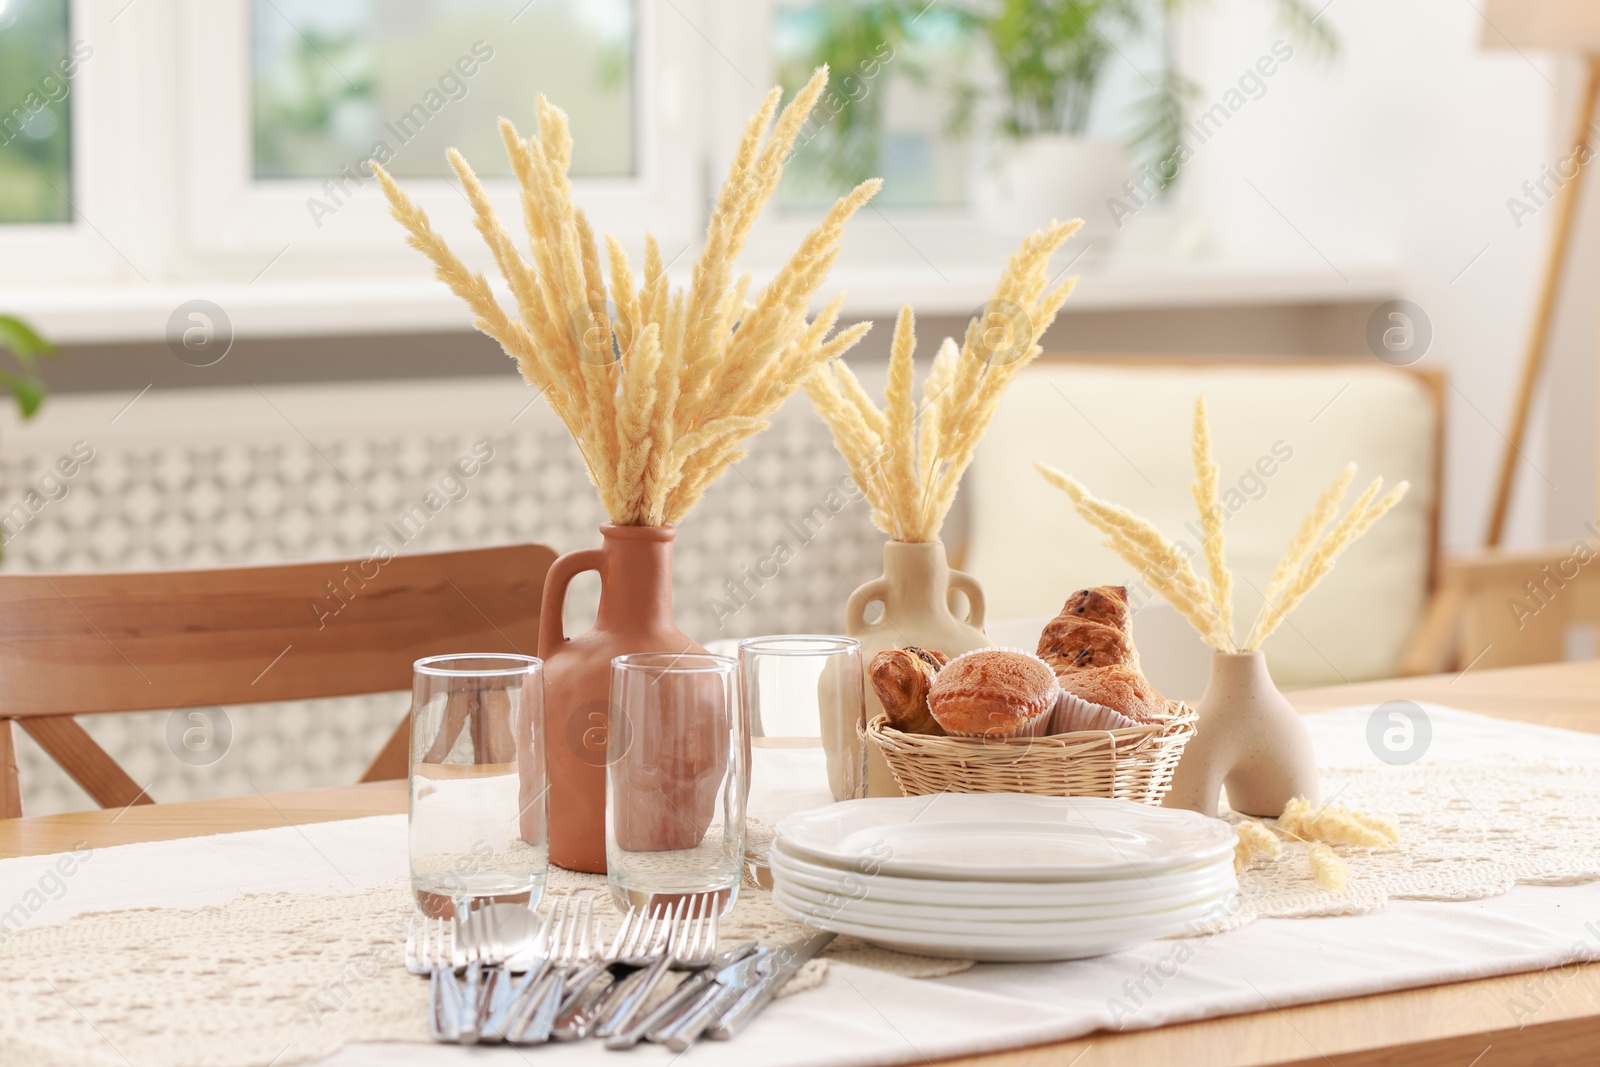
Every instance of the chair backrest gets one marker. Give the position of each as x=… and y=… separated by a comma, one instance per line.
x=1282, y=428
x=75, y=644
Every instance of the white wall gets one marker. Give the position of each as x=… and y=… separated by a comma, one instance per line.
x=1409, y=142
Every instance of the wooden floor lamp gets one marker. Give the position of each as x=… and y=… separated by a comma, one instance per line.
x=1474, y=615
x=1558, y=26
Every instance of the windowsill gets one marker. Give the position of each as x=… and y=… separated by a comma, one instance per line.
x=139, y=312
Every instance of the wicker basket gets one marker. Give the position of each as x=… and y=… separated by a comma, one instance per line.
x=1131, y=764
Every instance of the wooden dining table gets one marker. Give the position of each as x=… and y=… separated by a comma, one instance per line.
x=1461, y=1024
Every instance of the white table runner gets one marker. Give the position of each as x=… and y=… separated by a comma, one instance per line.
x=864, y=1017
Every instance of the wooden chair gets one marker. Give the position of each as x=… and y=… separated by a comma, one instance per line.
x=74, y=644
x=1499, y=608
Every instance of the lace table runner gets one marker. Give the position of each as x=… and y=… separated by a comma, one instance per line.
x=287, y=978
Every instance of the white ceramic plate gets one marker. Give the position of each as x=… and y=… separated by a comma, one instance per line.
x=904, y=920
x=1011, y=837
x=870, y=908
x=1132, y=894
x=1040, y=946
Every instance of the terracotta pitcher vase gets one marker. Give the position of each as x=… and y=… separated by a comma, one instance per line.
x=915, y=592
x=1248, y=738
x=635, y=568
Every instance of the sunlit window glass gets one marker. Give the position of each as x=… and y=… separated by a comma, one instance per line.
x=38, y=62
x=894, y=103
x=338, y=82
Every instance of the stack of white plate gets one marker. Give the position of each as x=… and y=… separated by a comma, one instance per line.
x=1003, y=876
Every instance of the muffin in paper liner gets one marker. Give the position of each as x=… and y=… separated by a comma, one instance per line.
x=1072, y=714
x=1038, y=726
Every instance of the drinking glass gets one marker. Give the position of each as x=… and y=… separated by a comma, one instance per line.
x=477, y=826
x=676, y=775
x=807, y=700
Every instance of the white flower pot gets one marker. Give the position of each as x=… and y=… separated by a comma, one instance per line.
x=1054, y=176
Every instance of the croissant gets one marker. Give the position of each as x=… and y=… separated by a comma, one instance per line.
x=902, y=677
x=1091, y=631
x=1091, y=650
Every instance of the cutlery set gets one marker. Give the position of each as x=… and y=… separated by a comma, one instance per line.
x=503, y=974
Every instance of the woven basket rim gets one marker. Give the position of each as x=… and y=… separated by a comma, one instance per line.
x=1178, y=715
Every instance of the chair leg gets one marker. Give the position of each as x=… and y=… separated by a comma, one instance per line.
x=393, y=759
x=10, y=784
x=1433, y=647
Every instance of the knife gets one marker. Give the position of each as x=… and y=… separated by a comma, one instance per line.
x=730, y=983
x=784, y=962
x=688, y=990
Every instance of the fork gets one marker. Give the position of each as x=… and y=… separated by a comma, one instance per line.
x=692, y=947
x=430, y=950
x=475, y=935
x=627, y=1004
x=574, y=939
x=502, y=994
x=646, y=944
x=587, y=998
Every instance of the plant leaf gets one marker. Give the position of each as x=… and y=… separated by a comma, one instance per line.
x=28, y=391
x=23, y=340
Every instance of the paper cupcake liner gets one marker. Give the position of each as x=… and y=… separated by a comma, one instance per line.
x=1072, y=713
x=1039, y=725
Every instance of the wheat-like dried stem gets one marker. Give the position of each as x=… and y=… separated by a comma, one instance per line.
x=908, y=459
x=1157, y=560
x=1207, y=494
x=660, y=396
x=1357, y=521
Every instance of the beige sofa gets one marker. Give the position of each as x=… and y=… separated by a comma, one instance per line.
x=1282, y=429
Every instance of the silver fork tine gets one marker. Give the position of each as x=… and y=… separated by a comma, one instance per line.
x=545, y=1001
x=691, y=947
x=661, y=941
x=437, y=950
x=469, y=938
x=587, y=998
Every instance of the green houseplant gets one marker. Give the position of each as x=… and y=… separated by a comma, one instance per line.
x=26, y=347
x=1050, y=59
x=23, y=382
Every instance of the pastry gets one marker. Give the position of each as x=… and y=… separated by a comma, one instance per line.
x=994, y=693
x=1120, y=689
x=901, y=677
x=1090, y=648
x=1091, y=631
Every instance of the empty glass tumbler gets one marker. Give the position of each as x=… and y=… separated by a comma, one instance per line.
x=477, y=826
x=676, y=775
x=807, y=702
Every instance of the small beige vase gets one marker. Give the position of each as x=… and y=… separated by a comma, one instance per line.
x=1248, y=738
x=915, y=592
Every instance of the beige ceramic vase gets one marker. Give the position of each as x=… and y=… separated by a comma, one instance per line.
x=915, y=592
x=1248, y=738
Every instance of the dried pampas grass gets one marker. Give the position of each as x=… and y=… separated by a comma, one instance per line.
x=1254, y=842
x=1330, y=872
x=1319, y=829
x=908, y=472
x=659, y=387
x=1208, y=602
x=1337, y=825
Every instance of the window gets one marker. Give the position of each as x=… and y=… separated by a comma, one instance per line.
x=896, y=73
x=337, y=82
x=37, y=64
x=222, y=143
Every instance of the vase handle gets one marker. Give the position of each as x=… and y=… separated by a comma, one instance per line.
x=566, y=567
x=855, y=609
x=962, y=582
